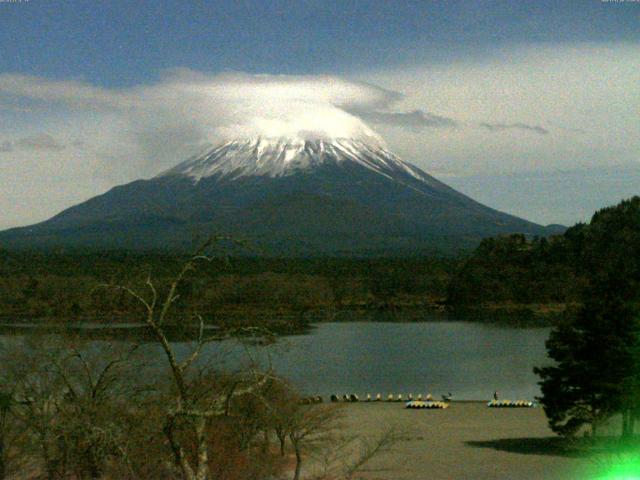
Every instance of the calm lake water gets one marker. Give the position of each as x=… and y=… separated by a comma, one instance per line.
x=469, y=359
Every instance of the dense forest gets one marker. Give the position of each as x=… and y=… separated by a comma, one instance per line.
x=538, y=276
x=544, y=275
x=72, y=286
x=504, y=272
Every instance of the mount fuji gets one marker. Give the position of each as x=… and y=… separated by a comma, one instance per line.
x=286, y=196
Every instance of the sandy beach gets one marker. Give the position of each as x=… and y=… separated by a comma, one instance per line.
x=466, y=441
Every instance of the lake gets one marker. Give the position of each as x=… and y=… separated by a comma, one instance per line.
x=469, y=359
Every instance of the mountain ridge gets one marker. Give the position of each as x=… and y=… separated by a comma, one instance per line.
x=288, y=197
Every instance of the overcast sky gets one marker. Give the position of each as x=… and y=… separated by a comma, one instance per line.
x=530, y=107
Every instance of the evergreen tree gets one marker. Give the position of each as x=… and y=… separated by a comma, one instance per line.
x=597, y=359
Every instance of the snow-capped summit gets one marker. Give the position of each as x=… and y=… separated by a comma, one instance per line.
x=277, y=157
x=298, y=195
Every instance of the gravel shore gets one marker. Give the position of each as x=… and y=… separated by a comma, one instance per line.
x=465, y=441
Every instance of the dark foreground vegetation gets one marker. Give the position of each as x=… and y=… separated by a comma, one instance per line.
x=596, y=374
x=75, y=410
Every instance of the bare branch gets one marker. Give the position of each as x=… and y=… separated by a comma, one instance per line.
x=101, y=382
x=370, y=450
x=154, y=293
x=196, y=351
x=131, y=292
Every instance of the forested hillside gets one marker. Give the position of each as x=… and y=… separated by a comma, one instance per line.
x=69, y=286
x=546, y=274
x=510, y=274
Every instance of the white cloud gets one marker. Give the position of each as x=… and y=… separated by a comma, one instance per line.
x=68, y=92
x=535, y=109
x=155, y=126
x=587, y=97
x=219, y=105
x=96, y=138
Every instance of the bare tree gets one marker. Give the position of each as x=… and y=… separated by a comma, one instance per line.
x=281, y=407
x=367, y=450
x=87, y=414
x=346, y=457
x=310, y=427
x=37, y=391
x=98, y=395
x=8, y=431
x=72, y=402
x=189, y=410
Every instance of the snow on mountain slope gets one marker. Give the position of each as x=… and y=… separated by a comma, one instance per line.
x=310, y=196
x=279, y=157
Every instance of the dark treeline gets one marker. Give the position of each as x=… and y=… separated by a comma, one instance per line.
x=69, y=286
x=546, y=274
x=508, y=271
x=511, y=274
